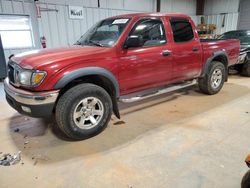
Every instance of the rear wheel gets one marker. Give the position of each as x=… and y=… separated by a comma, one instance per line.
x=245, y=69
x=214, y=79
x=83, y=111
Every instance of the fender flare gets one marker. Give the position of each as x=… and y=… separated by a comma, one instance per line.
x=67, y=78
x=210, y=59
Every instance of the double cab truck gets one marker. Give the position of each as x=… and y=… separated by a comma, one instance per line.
x=123, y=58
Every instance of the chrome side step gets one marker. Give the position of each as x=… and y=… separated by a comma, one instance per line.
x=171, y=88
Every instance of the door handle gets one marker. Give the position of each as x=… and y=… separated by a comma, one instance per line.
x=195, y=49
x=166, y=52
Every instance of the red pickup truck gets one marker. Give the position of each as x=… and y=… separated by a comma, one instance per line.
x=123, y=58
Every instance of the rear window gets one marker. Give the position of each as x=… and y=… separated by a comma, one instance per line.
x=182, y=30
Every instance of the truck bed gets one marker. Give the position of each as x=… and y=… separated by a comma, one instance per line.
x=211, y=45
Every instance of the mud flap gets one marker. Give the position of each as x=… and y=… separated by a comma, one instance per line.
x=115, y=108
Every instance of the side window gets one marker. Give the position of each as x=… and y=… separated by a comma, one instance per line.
x=151, y=32
x=182, y=30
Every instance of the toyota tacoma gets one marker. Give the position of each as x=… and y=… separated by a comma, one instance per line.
x=124, y=58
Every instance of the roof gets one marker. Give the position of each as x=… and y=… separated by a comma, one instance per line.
x=158, y=14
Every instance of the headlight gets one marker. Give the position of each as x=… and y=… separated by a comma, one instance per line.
x=24, y=77
x=29, y=77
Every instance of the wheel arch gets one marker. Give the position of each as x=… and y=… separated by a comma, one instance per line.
x=95, y=75
x=220, y=56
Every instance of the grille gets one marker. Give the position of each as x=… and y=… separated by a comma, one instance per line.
x=11, y=73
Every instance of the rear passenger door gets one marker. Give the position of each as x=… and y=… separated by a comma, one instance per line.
x=186, y=48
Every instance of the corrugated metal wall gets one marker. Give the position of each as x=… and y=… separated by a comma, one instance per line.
x=230, y=23
x=231, y=20
x=244, y=21
x=135, y=5
x=59, y=30
x=221, y=6
x=187, y=6
x=214, y=10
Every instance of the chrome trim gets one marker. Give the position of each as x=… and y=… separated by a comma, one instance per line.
x=159, y=92
x=30, y=98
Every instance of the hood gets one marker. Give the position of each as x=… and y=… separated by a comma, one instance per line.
x=47, y=57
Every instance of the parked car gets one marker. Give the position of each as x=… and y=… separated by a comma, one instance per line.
x=123, y=58
x=245, y=183
x=243, y=64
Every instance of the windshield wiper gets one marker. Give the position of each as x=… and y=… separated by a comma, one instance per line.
x=95, y=43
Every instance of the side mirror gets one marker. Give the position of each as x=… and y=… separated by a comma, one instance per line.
x=132, y=42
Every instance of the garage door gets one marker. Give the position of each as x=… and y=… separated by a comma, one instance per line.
x=244, y=17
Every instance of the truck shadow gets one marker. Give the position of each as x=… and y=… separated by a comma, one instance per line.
x=39, y=137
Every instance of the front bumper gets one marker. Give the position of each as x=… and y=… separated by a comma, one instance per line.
x=34, y=104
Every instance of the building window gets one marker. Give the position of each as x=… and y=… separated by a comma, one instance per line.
x=16, y=32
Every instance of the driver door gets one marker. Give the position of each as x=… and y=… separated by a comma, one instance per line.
x=147, y=65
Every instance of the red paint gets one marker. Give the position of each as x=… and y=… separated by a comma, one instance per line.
x=135, y=69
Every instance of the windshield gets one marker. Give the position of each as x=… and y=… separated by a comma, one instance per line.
x=243, y=37
x=104, y=33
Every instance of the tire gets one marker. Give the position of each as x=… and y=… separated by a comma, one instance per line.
x=205, y=83
x=83, y=111
x=245, y=69
x=245, y=183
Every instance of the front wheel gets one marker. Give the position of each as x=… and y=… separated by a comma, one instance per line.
x=83, y=111
x=214, y=79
